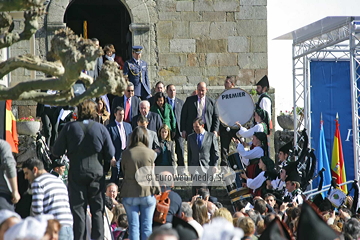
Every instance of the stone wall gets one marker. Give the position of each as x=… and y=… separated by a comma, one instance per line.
x=207, y=40
x=185, y=42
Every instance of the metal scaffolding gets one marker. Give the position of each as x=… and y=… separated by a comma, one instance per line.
x=331, y=38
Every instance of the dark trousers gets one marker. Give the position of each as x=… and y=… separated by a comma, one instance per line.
x=225, y=140
x=50, y=126
x=87, y=189
x=5, y=202
x=179, y=150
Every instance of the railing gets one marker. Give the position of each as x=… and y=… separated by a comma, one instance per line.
x=326, y=188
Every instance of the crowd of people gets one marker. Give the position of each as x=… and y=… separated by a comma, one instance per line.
x=118, y=135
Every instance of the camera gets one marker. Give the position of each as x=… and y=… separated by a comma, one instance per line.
x=200, y=197
x=290, y=205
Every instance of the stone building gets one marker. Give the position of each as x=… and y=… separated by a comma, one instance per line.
x=184, y=41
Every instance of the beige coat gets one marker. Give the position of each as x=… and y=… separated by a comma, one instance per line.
x=133, y=159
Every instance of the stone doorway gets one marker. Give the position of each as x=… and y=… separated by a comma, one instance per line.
x=107, y=20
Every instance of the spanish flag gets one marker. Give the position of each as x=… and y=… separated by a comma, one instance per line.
x=337, y=163
x=11, y=135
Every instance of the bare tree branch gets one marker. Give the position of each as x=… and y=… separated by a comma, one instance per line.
x=47, y=83
x=60, y=99
x=5, y=22
x=31, y=26
x=18, y=5
x=31, y=62
x=110, y=80
x=87, y=80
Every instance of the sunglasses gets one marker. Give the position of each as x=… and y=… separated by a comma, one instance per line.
x=130, y=90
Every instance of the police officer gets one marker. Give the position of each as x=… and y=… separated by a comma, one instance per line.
x=137, y=72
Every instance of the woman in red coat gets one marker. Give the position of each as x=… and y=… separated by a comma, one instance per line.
x=109, y=50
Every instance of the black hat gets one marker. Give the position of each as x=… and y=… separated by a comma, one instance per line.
x=261, y=136
x=57, y=163
x=137, y=49
x=312, y=226
x=276, y=230
x=264, y=82
x=268, y=162
x=291, y=166
x=286, y=148
x=184, y=229
x=293, y=176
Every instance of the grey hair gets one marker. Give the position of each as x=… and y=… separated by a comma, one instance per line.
x=146, y=102
x=186, y=209
x=130, y=84
x=112, y=184
x=166, y=179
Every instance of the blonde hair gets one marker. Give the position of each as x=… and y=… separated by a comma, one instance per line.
x=247, y=225
x=223, y=213
x=166, y=127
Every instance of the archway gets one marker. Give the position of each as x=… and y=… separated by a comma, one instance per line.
x=106, y=20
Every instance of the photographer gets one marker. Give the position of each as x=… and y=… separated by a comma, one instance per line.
x=204, y=194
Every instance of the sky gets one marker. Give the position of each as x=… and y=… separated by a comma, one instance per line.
x=285, y=16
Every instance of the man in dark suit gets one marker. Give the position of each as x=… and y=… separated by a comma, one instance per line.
x=128, y=102
x=137, y=72
x=199, y=106
x=177, y=105
x=154, y=119
x=119, y=131
x=203, y=151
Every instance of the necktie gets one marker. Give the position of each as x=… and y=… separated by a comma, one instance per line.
x=122, y=136
x=171, y=102
x=127, y=111
x=199, y=140
x=200, y=108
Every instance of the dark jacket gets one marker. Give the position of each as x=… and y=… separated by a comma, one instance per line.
x=119, y=101
x=167, y=117
x=154, y=121
x=138, y=75
x=189, y=113
x=170, y=152
x=115, y=136
x=207, y=155
x=83, y=147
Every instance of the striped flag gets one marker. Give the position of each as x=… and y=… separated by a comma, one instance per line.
x=337, y=163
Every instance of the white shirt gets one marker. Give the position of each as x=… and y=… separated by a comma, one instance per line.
x=277, y=184
x=256, y=182
x=247, y=133
x=266, y=105
x=245, y=155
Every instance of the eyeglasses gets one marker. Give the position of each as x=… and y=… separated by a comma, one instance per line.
x=130, y=90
